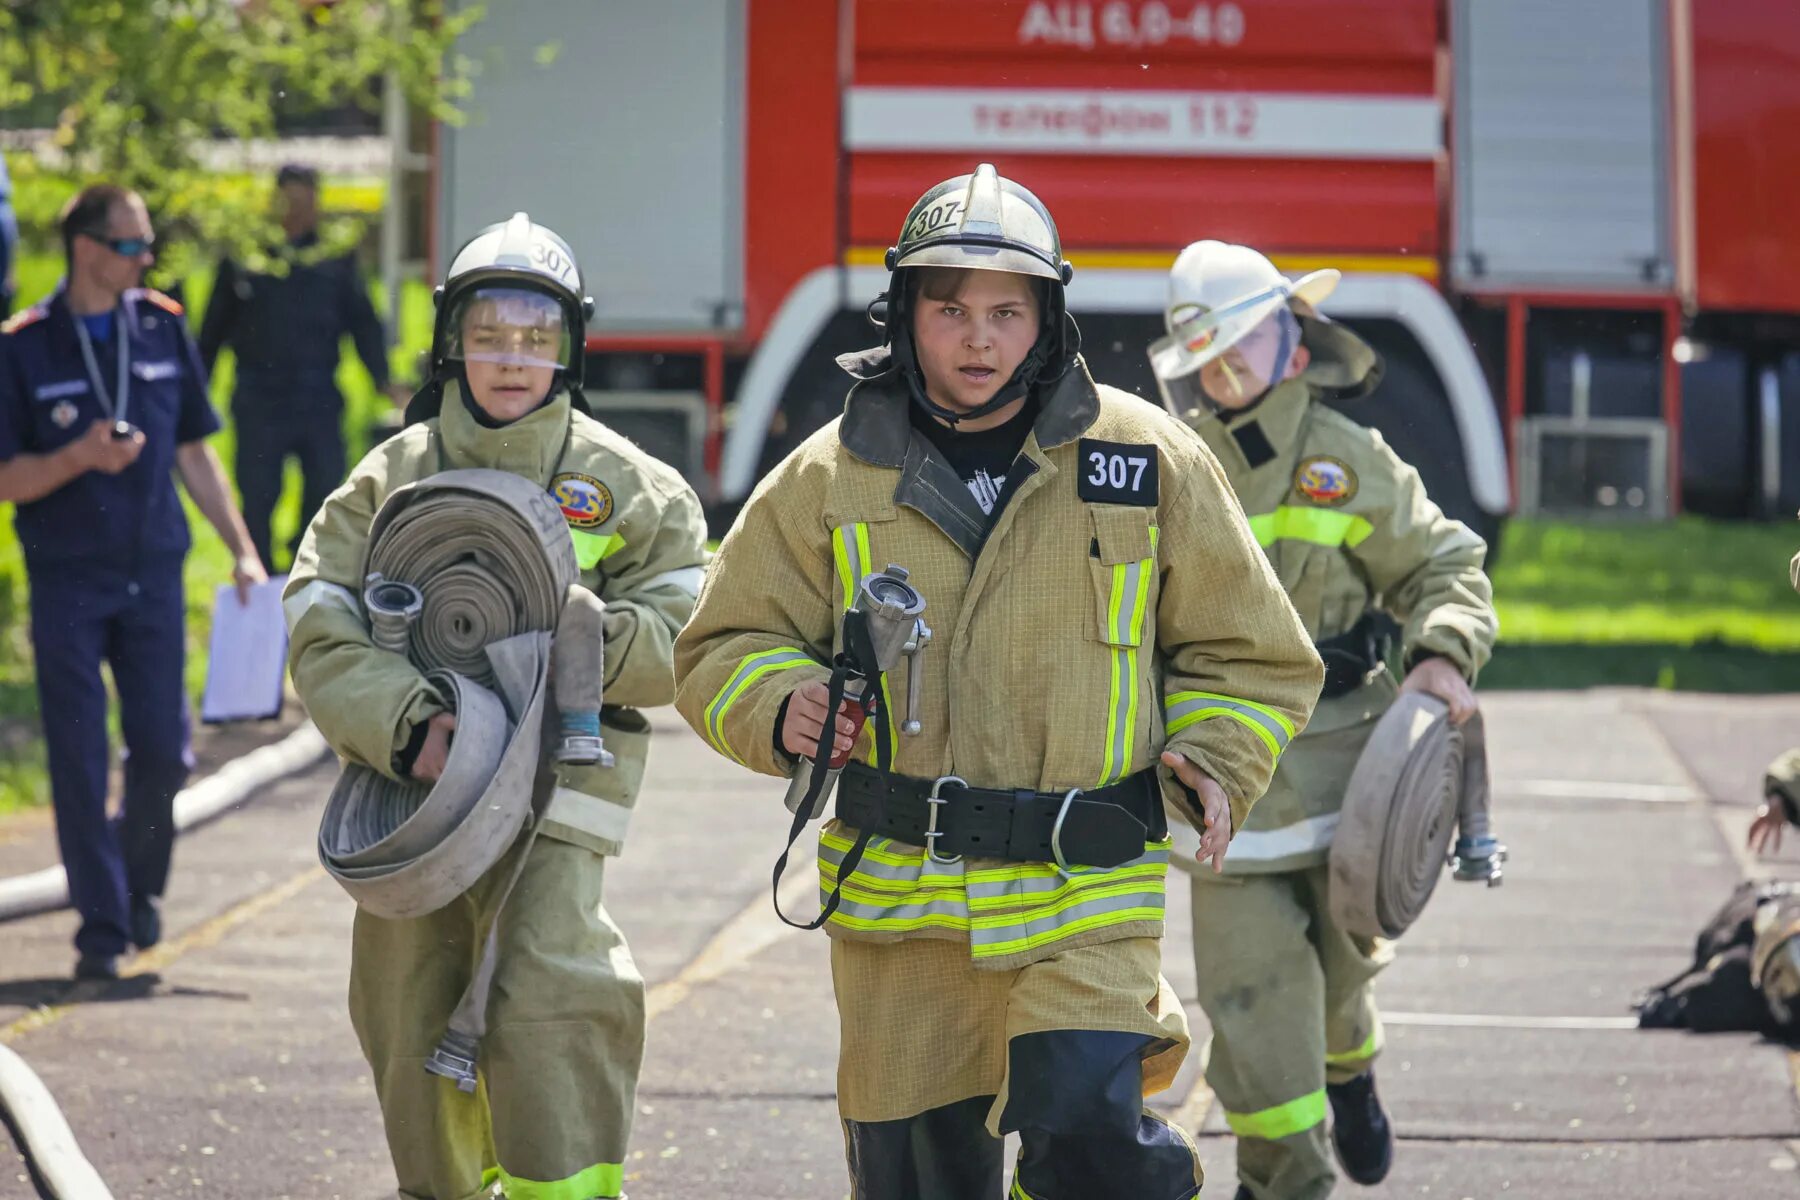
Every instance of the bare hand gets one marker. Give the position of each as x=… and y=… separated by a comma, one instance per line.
x=806, y=720
x=1436, y=677
x=1215, y=839
x=1765, y=830
x=99, y=450
x=436, y=750
x=246, y=573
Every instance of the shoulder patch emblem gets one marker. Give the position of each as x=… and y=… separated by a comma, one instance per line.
x=1325, y=480
x=584, y=500
x=166, y=303
x=24, y=317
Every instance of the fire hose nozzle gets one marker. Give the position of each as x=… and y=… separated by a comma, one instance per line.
x=454, y=1059
x=392, y=606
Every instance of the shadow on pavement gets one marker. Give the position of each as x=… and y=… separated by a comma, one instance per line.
x=63, y=992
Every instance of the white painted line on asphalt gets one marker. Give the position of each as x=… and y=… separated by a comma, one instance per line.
x=229, y=786
x=1591, y=789
x=1495, y=1021
x=754, y=929
x=48, y=1142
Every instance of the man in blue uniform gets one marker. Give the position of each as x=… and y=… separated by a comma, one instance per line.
x=285, y=330
x=102, y=401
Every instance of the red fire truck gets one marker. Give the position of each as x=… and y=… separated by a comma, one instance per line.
x=1561, y=223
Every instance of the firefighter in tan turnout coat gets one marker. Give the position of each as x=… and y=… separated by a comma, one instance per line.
x=1099, y=606
x=565, y=1026
x=1351, y=534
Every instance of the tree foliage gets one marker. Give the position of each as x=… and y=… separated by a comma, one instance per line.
x=145, y=92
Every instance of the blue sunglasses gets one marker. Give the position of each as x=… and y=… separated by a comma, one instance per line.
x=129, y=247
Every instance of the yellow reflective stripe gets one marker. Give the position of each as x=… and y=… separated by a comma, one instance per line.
x=1183, y=709
x=1082, y=887
x=490, y=1177
x=590, y=548
x=1320, y=526
x=1366, y=1050
x=1035, y=941
x=899, y=924
x=1044, y=870
x=781, y=658
x=872, y=853
x=1018, y=1191
x=601, y=1179
x=1284, y=1120
x=850, y=548
x=1107, y=889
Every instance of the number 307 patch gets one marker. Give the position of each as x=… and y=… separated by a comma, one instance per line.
x=1118, y=473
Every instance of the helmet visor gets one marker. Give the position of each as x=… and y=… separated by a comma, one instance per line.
x=510, y=326
x=1236, y=374
x=1197, y=334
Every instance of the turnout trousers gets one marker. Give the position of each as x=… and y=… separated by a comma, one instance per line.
x=1291, y=1000
x=559, y=1064
x=940, y=1060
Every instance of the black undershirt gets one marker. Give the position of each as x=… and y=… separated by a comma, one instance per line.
x=981, y=458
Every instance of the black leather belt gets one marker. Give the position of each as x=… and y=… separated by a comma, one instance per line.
x=1099, y=828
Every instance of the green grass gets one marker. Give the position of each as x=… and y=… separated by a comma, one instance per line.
x=22, y=779
x=1683, y=583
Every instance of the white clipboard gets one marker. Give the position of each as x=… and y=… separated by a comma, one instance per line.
x=247, y=659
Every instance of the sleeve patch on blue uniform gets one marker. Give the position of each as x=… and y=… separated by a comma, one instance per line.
x=1117, y=473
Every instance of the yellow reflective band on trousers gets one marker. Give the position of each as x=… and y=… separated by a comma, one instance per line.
x=1128, y=602
x=1018, y=1191
x=1320, y=526
x=1004, y=910
x=1188, y=708
x=1366, y=1050
x=850, y=550
x=781, y=658
x=590, y=548
x=1284, y=1120
x=599, y=1180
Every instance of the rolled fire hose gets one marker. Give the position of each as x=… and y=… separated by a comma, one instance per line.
x=468, y=572
x=1418, y=778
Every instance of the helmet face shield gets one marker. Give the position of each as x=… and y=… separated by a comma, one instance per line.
x=1197, y=334
x=509, y=326
x=1229, y=360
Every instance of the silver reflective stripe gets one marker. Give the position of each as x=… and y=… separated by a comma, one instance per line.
x=682, y=579
x=319, y=591
x=1266, y=845
x=781, y=658
x=1016, y=935
x=590, y=814
x=1188, y=708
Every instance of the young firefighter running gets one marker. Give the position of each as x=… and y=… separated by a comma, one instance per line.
x=565, y=1023
x=1351, y=533
x=1098, y=605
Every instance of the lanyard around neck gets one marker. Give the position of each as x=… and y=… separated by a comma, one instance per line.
x=115, y=412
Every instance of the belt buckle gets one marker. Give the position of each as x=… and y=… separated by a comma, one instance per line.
x=933, y=803
x=1062, y=864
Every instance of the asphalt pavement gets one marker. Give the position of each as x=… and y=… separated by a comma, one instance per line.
x=226, y=1067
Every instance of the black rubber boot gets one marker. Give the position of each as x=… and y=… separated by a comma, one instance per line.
x=146, y=922
x=97, y=966
x=1360, y=1131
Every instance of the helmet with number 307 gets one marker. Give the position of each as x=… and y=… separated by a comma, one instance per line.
x=519, y=284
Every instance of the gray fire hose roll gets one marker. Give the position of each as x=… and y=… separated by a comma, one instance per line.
x=469, y=571
x=1417, y=777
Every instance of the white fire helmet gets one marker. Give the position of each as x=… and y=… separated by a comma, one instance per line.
x=1219, y=295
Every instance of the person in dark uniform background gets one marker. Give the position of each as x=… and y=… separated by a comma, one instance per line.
x=285, y=331
x=102, y=402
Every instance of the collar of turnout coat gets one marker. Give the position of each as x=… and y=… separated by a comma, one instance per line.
x=877, y=429
x=1343, y=366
